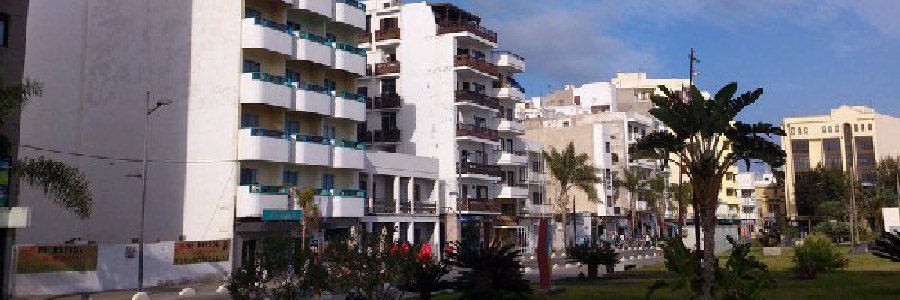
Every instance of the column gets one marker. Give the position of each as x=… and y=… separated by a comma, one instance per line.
x=410, y=194
x=410, y=232
x=396, y=236
x=436, y=195
x=370, y=191
x=369, y=227
x=396, y=194
x=436, y=239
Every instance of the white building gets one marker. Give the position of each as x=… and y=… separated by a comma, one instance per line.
x=263, y=98
x=440, y=89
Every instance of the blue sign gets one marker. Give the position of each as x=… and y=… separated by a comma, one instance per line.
x=276, y=215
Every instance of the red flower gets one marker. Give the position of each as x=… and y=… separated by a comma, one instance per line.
x=405, y=247
x=425, y=252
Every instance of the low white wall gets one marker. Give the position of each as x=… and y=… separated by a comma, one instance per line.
x=115, y=272
x=891, y=218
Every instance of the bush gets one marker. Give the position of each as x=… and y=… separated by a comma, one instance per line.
x=282, y=269
x=817, y=254
x=488, y=272
x=426, y=274
x=593, y=255
x=837, y=231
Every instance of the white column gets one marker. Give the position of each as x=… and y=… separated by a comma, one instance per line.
x=410, y=194
x=410, y=232
x=369, y=227
x=436, y=195
x=396, y=194
x=435, y=239
x=370, y=191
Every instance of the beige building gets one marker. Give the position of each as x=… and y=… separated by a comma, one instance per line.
x=852, y=138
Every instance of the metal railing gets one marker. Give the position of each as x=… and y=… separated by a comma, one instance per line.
x=386, y=101
x=484, y=205
x=477, y=98
x=482, y=169
x=387, y=34
x=476, y=131
x=387, y=68
x=454, y=27
x=477, y=64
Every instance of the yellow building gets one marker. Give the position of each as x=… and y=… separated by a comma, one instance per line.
x=852, y=138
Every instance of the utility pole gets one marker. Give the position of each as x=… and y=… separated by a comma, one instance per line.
x=574, y=224
x=149, y=111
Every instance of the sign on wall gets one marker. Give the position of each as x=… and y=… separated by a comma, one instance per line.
x=44, y=259
x=195, y=252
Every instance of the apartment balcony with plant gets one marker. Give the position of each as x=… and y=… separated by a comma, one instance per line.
x=450, y=19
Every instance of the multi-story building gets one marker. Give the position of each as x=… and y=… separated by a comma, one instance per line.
x=850, y=138
x=749, y=209
x=237, y=102
x=769, y=200
x=440, y=89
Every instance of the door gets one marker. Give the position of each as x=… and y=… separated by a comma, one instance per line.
x=292, y=127
x=330, y=133
x=328, y=182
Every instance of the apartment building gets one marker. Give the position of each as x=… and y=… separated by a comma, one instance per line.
x=769, y=200
x=242, y=101
x=851, y=138
x=605, y=138
x=441, y=89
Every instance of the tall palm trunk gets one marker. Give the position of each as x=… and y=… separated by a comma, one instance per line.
x=633, y=224
x=706, y=194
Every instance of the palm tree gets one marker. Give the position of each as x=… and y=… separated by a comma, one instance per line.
x=683, y=193
x=633, y=182
x=656, y=200
x=699, y=129
x=571, y=170
x=65, y=185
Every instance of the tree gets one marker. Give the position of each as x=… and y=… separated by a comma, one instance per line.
x=698, y=131
x=65, y=185
x=312, y=219
x=284, y=268
x=656, y=200
x=593, y=255
x=633, y=182
x=683, y=192
x=571, y=170
x=887, y=181
x=823, y=193
x=369, y=266
x=490, y=271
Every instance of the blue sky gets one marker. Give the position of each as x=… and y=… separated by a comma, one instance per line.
x=808, y=56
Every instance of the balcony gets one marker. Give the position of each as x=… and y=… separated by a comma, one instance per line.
x=313, y=48
x=312, y=98
x=748, y=201
x=350, y=58
x=480, y=171
x=516, y=158
x=388, y=136
x=350, y=12
x=510, y=92
x=390, y=69
x=468, y=28
x=476, y=133
x=511, y=126
x=476, y=99
x=263, y=88
x=341, y=203
x=262, y=144
x=509, y=62
x=321, y=7
x=538, y=209
x=386, y=101
x=349, y=155
x=253, y=200
x=478, y=206
x=513, y=191
x=258, y=33
x=466, y=62
x=350, y=106
x=312, y=150
x=387, y=37
x=389, y=207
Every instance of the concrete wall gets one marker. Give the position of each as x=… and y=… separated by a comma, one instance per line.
x=116, y=271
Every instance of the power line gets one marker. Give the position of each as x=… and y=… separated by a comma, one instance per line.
x=133, y=160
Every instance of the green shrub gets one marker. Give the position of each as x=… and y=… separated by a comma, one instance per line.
x=817, y=254
x=837, y=231
x=593, y=255
x=488, y=271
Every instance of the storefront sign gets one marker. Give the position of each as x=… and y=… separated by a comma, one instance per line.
x=282, y=215
x=196, y=252
x=44, y=259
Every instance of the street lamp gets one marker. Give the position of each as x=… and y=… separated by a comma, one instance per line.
x=149, y=110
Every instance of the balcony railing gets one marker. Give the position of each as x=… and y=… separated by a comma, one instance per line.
x=350, y=48
x=387, y=68
x=347, y=193
x=385, y=206
x=477, y=64
x=382, y=136
x=386, y=101
x=454, y=27
x=477, y=98
x=476, y=131
x=350, y=144
x=387, y=34
x=267, y=189
x=480, y=169
x=355, y=4
x=484, y=205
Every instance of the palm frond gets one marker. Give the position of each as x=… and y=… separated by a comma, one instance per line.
x=66, y=185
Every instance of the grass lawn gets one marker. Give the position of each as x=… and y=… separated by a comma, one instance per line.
x=867, y=277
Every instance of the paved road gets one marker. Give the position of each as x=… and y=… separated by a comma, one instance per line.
x=562, y=270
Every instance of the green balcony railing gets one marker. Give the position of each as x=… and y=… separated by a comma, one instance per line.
x=350, y=144
x=352, y=96
x=311, y=37
x=354, y=3
x=267, y=189
x=350, y=48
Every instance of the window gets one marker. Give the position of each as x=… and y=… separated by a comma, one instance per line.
x=805, y=130
x=292, y=127
x=463, y=191
x=608, y=150
x=249, y=120
x=251, y=66
x=292, y=76
x=535, y=166
x=829, y=129
x=330, y=85
x=251, y=13
x=291, y=178
x=824, y=129
x=4, y=30
x=870, y=127
x=729, y=192
x=480, y=122
x=855, y=127
x=327, y=181
x=536, y=198
x=330, y=132
x=792, y=130
x=248, y=176
x=565, y=123
x=389, y=87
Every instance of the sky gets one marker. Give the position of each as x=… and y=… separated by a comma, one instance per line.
x=808, y=56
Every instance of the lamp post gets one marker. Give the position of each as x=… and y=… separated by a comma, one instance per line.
x=149, y=110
